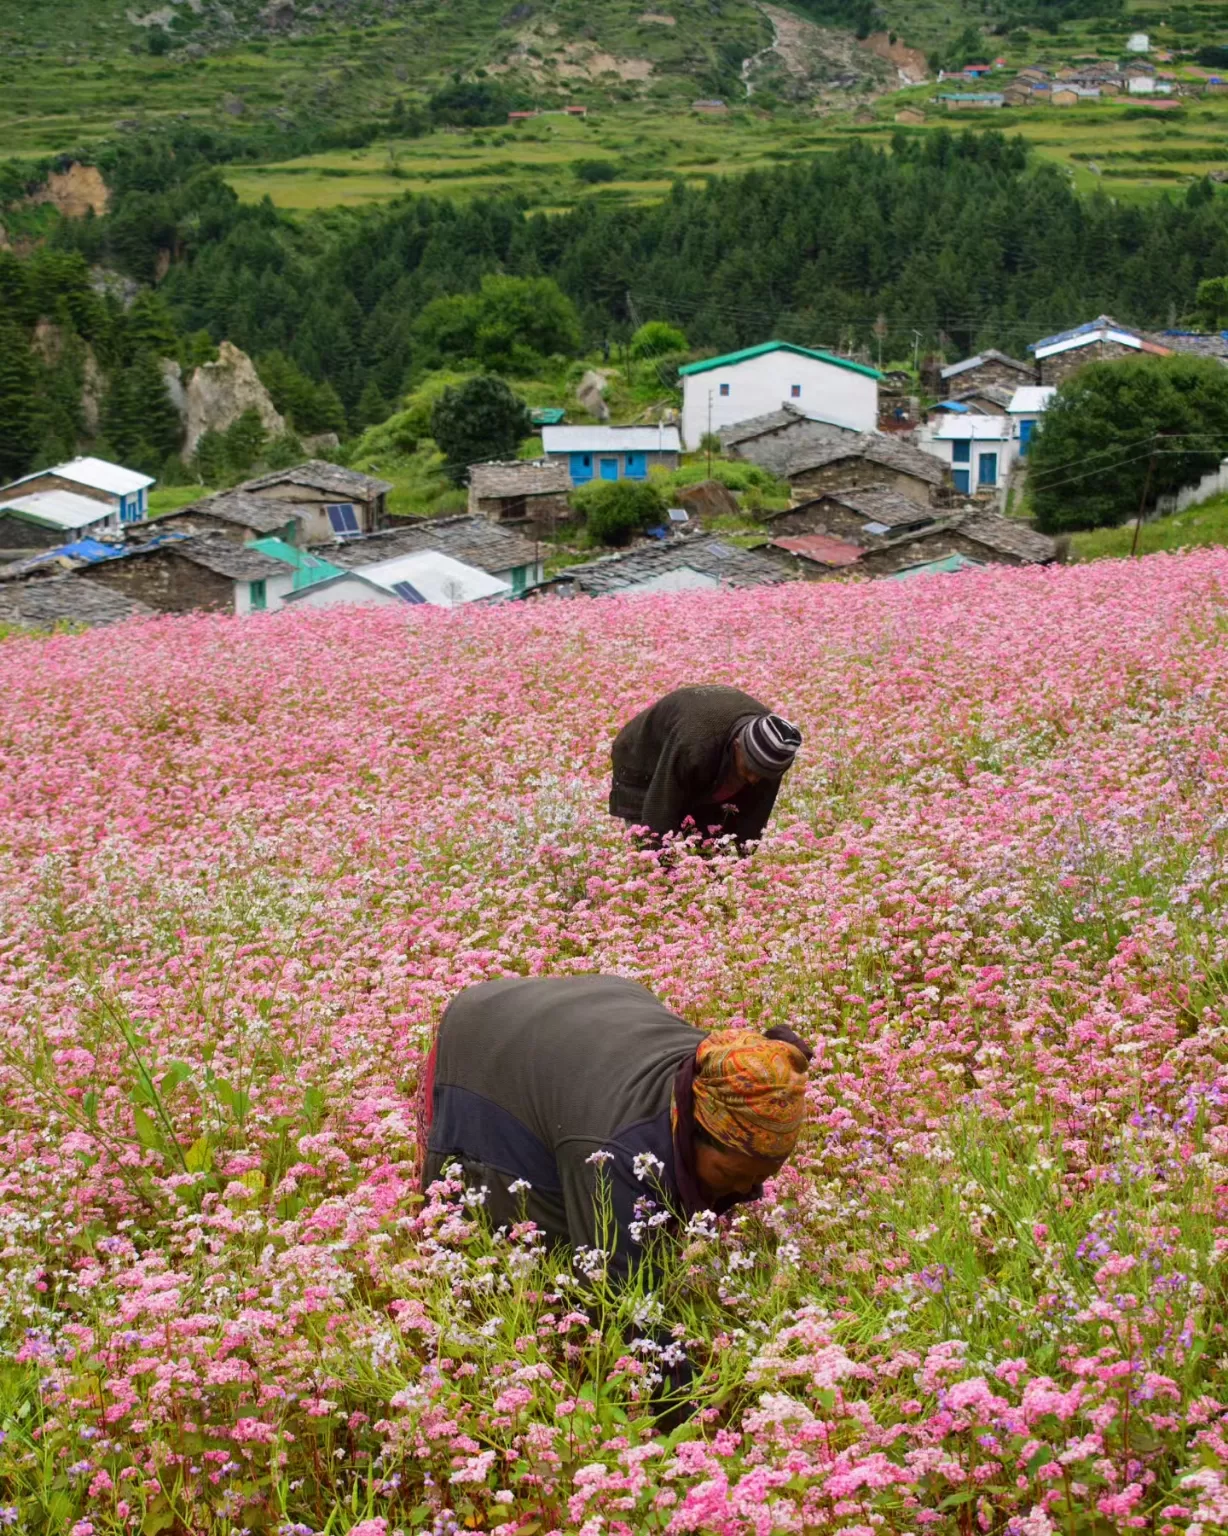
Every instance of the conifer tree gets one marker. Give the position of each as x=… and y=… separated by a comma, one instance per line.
x=19, y=415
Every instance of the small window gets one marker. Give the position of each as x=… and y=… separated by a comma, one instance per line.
x=408, y=592
x=961, y=451
x=588, y=461
x=260, y=596
x=343, y=519
x=724, y=389
x=795, y=390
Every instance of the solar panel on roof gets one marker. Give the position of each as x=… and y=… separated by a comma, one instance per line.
x=343, y=518
x=408, y=591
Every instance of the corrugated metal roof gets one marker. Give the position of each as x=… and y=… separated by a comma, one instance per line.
x=308, y=569
x=59, y=509
x=728, y=359
x=821, y=548
x=1032, y=399
x=950, y=563
x=442, y=581
x=611, y=440
x=101, y=476
x=982, y=428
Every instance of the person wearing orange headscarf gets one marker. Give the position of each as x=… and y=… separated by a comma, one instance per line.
x=544, y=1089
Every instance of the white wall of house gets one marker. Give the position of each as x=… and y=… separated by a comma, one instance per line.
x=348, y=593
x=275, y=589
x=761, y=384
x=980, y=451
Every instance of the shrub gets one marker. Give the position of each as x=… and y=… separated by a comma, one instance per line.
x=655, y=338
x=615, y=509
x=594, y=171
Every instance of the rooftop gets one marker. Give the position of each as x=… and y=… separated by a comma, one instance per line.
x=999, y=394
x=707, y=556
x=729, y=359
x=821, y=548
x=470, y=539
x=58, y=509
x=99, y=475
x=1008, y=536
x=1032, y=399
x=1102, y=328
x=215, y=552
x=611, y=440
x=878, y=504
x=876, y=448
x=983, y=428
x=240, y=508
x=521, y=478
x=990, y=355
x=48, y=600
x=308, y=569
x=317, y=475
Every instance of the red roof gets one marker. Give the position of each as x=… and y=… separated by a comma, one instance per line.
x=822, y=548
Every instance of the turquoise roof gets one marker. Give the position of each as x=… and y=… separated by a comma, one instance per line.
x=778, y=346
x=308, y=569
x=934, y=567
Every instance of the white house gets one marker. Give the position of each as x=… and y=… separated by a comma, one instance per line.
x=1138, y=42
x=425, y=577
x=124, y=490
x=722, y=391
x=611, y=453
x=979, y=449
x=1028, y=405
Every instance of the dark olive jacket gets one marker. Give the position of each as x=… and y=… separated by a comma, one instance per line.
x=672, y=758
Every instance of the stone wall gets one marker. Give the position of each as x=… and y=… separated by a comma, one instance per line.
x=540, y=512
x=846, y=474
x=16, y=534
x=1062, y=364
x=167, y=582
x=989, y=372
x=821, y=517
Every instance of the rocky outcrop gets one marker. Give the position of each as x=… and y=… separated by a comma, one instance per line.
x=93, y=392
x=75, y=192
x=218, y=393
x=591, y=394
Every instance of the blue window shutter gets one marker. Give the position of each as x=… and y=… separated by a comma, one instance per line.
x=961, y=451
x=962, y=478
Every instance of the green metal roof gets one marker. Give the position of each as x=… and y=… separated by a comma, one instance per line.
x=308, y=569
x=778, y=346
x=934, y=567
x=547, y=415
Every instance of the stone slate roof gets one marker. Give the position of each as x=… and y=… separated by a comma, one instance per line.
x=1008, y=536
x=519, y=479
x=240, y=508
x=875, y=448
x=878, y=504
x=774, y=451
x=317, y=475
x=990, y=355
x=1197, y=343
x=709, y=556
x=48, y=600
x=470, y=539
x=239, y=562
x=755, y=426
x=1000, y=394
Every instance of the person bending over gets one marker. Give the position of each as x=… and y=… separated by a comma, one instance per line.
x=709, y=753
x=562, y=1082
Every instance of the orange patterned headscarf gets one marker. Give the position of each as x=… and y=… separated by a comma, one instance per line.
x=750, y=1092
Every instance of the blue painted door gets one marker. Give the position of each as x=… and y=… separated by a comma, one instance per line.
x=1025, y=437
x=581, y=468
x=637, y=466
x=987, y=470
x=609, y=469
x=961, y=481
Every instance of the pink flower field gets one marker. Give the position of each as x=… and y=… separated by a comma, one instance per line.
x=245, y=863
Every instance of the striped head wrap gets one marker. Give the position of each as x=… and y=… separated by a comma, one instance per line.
x=770, y=745
x=750, y=1091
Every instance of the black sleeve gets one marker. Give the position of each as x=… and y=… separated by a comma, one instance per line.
x=755, y=804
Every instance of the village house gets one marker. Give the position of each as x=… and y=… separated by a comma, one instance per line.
x=46, y=601
x=720, y=392
x=910, y=117
x=611, y=453
x=425, y=577
x=1099, y=340
x=1027, y=406
x=1064, y=96
x=710, y=108
x=332, y=502
x=987, y=399
x=182, y=573
x=44, y=519
x=815, y=556
x=773, y=440
x=988, y=367
x=952, y=542
x=521, y=492
x=698, y=564
x=306, y=568
x=1138, y=42
x=238, y=515
x=124, y=491
x=972, y=101
x=870, y=459
x=475, y=541
x=855, y=516
x=978, y=449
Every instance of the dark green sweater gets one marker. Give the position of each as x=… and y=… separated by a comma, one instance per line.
x=673, y=757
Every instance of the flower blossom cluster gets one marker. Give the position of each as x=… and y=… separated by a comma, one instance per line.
x=244, y=865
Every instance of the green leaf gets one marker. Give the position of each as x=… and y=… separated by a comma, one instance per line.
x=964, y=1496
x=146, y=1130
x=157, y=1520
x=198, y=1156
x=313, y=1103
x=254, y=1181
x=1038, y=1460
x=176, y=1073
x=90, y=1105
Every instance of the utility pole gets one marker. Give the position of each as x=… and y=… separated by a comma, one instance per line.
x=916, y=349
x=1142, y=502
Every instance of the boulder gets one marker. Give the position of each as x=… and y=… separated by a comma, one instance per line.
x=218, y=394
x=321, y=445
x=93, y=392
x=709, y=499
x=591, y=395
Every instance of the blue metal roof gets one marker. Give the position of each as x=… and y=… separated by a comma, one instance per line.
x=952, y=405
x=1098, y=324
